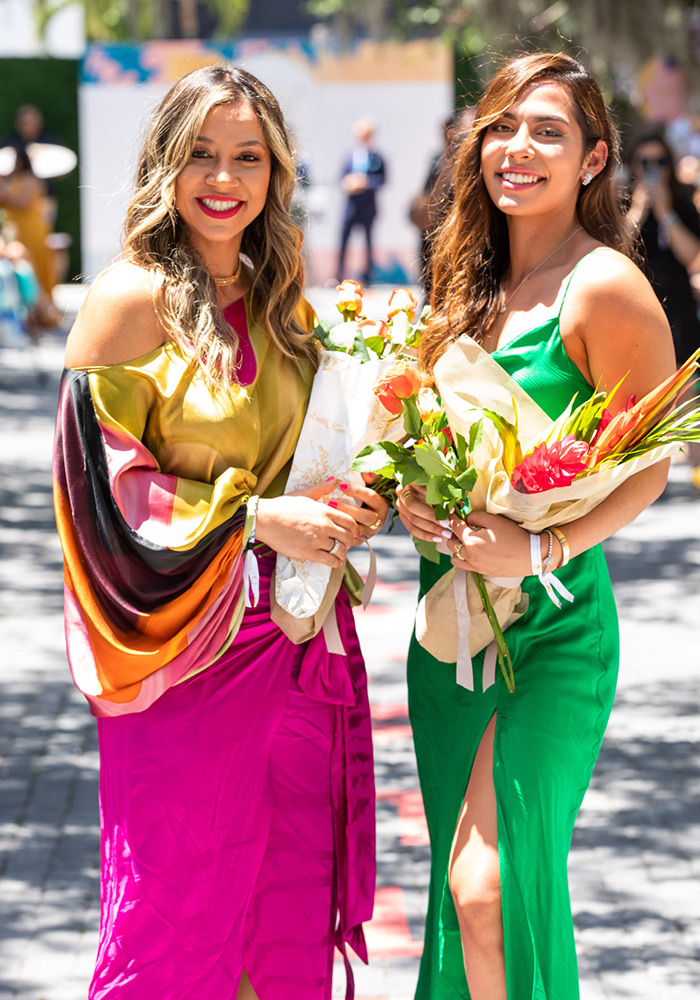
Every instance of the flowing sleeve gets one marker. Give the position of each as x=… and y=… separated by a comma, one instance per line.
x=153, y=561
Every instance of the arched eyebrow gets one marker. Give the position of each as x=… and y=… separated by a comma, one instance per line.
x=247, y=142
x=538, y=118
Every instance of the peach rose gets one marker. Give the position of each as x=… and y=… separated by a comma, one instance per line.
x=428, y=405
x=373, y=328
x=401, y=381
x=349, y=298
x=403, y=300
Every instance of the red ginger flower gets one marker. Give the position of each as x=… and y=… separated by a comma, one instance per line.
x=401, y=381
x=547, y=467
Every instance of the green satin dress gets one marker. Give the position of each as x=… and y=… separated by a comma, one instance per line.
x=548, y=734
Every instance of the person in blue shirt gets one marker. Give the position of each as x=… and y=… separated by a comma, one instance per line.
x=364, y=172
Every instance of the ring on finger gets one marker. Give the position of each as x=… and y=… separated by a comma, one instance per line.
x=457, y=549
x=336, y=546
x=376, y=524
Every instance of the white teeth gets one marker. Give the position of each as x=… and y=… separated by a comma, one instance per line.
x=219, y=206
x=519, y=178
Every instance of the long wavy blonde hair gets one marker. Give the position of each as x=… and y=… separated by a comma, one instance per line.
x=155, y=237
x=471, y=250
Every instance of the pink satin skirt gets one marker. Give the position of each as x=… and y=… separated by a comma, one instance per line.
x=238, y=823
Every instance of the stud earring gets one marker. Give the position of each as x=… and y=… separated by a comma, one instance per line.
x=587, y=178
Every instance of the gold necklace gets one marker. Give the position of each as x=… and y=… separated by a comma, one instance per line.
x=223, y=282
x=541, y=264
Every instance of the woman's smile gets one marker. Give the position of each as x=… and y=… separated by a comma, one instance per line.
x=218, y=207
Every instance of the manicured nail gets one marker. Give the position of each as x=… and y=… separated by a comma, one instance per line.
x=437, y=538
x=444, y=524
x=357, y=535
x=447, y=534
x=332, y=503
x=343, y=486
x=329, y=480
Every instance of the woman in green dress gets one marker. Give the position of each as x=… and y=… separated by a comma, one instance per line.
x=532, y=263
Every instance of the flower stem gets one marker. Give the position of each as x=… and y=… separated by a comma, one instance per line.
x=504, y=660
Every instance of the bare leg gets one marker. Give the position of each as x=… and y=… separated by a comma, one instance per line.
x=475, y=881
x=245, y=989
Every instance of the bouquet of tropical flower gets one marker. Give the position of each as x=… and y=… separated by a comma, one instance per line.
x=343, y=416
x=469, y=454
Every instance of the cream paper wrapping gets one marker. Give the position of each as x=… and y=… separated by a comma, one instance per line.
x=343, y=417
x=467, y=379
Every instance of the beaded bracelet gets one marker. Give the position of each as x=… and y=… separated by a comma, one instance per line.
x=564, y=545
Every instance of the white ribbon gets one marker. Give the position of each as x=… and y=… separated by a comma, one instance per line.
x=464, y=668
x=548, y=580
x=465, y=671
x=331, y=633
x=251, y=579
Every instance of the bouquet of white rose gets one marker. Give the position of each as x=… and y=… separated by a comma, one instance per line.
x=343, y=417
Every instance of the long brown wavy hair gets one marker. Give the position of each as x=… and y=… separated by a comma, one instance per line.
x=471, y=254
x=155, y=237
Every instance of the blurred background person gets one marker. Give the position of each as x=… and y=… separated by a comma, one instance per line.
x=22, y=196
x=430, y=206
x=665, y=221
x=364, y=172
x=19, y=292
x=667, y=226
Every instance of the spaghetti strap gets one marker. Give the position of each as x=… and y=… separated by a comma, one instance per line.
x=569, y=279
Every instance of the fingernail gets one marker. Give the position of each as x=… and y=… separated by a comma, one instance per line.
x=329, y=480
x=444, y=524
x=437, y=538
x=332, y=503
x=447, y=534
x=357, y=535
x=343, y=486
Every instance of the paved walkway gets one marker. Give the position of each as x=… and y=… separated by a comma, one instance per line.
x=635, y=861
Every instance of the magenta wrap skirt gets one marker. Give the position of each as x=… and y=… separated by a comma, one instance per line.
x=238, y=823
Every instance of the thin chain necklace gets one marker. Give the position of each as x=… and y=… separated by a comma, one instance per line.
x=223, y=282
x=535, y=269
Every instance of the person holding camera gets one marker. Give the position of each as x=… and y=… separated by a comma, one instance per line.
x=667, y=226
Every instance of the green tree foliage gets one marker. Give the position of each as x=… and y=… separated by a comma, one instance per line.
x=615, y=36
x=141, y=20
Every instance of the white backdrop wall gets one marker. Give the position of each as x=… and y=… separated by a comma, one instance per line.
x=407, y=89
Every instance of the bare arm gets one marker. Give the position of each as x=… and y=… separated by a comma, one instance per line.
x=612, y=326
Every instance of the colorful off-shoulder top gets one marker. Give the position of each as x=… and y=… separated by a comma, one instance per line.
x=152, y=471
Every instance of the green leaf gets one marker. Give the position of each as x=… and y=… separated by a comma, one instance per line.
x=461, y=446
x=433, y=492
x=426, y=549
x=411, y=419
x=476, y=432
x=359, y=348
x=408, y=472
x=431, y=460
x=467, y=479
x=381, y=457
x=375, y=344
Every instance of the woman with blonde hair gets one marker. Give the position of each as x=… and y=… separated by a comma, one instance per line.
x=236, y=788
x=533, y=264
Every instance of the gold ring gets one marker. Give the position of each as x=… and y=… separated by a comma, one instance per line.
x=376, y=524
x=456, y=550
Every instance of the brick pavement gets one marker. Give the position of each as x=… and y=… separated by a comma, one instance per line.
x=635, y=859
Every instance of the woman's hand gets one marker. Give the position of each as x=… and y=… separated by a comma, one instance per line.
x=301, y=526
x=419, y=517
x=491, y=545
x=368, y=518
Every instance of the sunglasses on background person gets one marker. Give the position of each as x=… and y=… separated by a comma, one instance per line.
x=652, y=163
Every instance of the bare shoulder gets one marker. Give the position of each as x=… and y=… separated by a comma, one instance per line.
x=117, y=321
x=608, y=286
x=614, y=315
